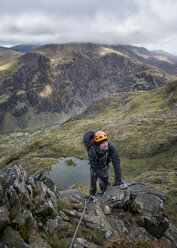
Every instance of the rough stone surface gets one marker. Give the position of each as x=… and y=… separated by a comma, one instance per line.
x=25, y=218
x=74, y=195
x=80, y=243
x=166, y=242
x=12, y=239
x=35, y=240
x=171, y=234
x=28, y=206
x=97, y=220
x=139, y=233
x=107, y=210
x=31, y=182
x=145, y=204
x=4, y=217
x=18, y=195
x=3, y=246
x=48, y=182
x=53, y=225
x=36, y=176
x=45, y=200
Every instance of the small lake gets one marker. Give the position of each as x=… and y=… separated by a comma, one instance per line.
x=69, y=171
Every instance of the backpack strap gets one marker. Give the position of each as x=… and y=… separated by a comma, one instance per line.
x=92, y=149
x=103, y=165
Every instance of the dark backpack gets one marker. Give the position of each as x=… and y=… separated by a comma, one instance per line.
x=88, y=139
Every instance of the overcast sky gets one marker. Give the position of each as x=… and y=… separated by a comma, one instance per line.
x=148, y=23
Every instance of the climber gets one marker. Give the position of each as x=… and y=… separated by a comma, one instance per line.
x=101, y=153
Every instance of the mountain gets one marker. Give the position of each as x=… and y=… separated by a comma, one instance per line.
x=163, y=53
x=160, y=59
x=25, y=48
x=55, y=82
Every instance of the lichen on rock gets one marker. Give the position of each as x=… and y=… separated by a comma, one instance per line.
x=31, y=217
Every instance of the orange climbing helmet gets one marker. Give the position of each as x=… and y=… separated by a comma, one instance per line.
x=99, y=136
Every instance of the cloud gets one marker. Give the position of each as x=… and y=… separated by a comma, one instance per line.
x=151, y=22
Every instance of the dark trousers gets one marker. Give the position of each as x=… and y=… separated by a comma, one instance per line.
x=93, y=181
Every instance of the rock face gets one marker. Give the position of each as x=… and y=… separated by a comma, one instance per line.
x=29, y=207
x=23, y=202
x=145, y=204
x=46, y=88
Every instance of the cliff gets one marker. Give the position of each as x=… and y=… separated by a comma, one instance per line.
x=33, y=213
x=56, y=82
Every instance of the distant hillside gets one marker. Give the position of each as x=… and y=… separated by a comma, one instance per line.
x=7, y=55
x=160, y=59
x=8, y=64
x=56, y=82
x=25, y=47
x=163, y=53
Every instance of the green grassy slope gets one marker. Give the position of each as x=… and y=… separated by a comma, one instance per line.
x=8, y=62
x=8, y=55
x=142, y=125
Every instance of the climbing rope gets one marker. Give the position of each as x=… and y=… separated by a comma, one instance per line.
x=82, y=215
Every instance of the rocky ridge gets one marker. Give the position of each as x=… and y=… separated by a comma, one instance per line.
x=33, y=212
x=56, y=82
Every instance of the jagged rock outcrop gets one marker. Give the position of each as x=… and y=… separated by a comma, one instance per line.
x=23, y=202
x=29, y=206
x=145, y=203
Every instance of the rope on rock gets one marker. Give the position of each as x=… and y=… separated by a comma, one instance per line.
x=74, y=236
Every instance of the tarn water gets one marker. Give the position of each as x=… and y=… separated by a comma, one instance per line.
x=65, y=176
